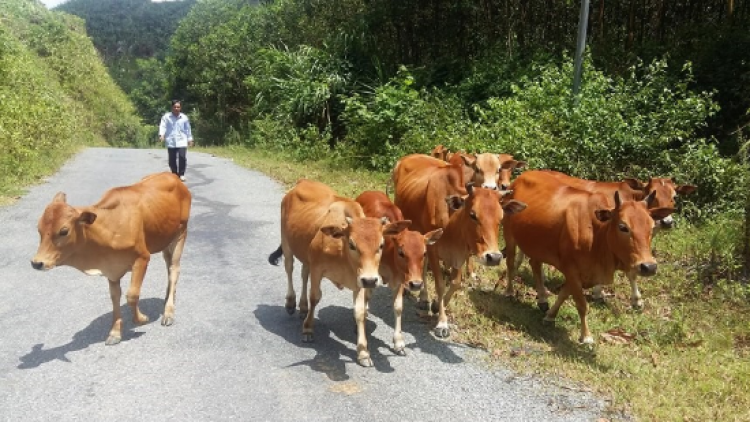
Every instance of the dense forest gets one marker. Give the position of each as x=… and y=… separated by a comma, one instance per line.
x=55, y=94
x=132, y=36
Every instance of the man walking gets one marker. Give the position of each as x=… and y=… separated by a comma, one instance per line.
x=174, y=131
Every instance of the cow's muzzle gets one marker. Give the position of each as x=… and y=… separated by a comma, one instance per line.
x=492, y=259
x=37, y=265
x=647, y=269
x=415, y=285
x=369, y=282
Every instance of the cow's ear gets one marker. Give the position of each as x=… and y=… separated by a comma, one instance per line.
x=391, y=229
x=686, y=189
x=509, y=165
x=603, y=215
x=60, y=197
x=335, y=232
x=468, y=161
x=513, y=207
x=650, y=198
x=618, y=202
x=660, y=213
x=634, y=183
x=432, y=237
x=87, y=217
x=454, y=202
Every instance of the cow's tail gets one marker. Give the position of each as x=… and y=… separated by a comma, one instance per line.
x=275, y=256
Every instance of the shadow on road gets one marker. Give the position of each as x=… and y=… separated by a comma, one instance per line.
x=95, y=332
x=381, y=305
x=336, y=337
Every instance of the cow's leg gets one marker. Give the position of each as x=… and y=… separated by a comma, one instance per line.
x=441, y=329
x=315, y=294
x=423, y=306
x=305, y=274
x=582, y=306
x=172, y=256
x=399, y=346
x=360, y=316
x=470, y=269
x=134, y=291
x=510, y=264
x=551, y=315
x=115, y=334
x=368, y=295
x=456, y=279
x=635, y=293
x=291, y=295
x=539, y=283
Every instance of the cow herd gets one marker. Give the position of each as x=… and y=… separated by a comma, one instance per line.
x=448, y=210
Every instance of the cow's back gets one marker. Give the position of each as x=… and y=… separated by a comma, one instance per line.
x=558, y=223
x=421, y=195
x=156, y=208
x=303, y=211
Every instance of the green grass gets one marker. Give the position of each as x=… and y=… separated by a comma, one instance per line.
x=688, y=359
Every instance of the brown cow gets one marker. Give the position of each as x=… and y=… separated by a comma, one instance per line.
x=402, y=262
x=332, y=238
x=578, y=233
x=425, y=196
x=631, y=189
x=118, y=234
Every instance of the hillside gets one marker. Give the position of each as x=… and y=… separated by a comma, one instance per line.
x=56, y=94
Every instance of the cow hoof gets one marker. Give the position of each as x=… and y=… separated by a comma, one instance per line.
x=112, y=340
x=290, y=309
x=543, y=306
x=307, y=338
x=366, y=362
x=442, y=332
x=423, y=305
x=167, y=321
x=434, y=307
x=588, y=340
x=637, y=304
x=401, y=351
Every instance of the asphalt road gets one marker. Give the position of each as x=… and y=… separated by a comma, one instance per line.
x=233, y=352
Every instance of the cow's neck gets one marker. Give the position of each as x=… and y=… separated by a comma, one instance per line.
x=607, y=261
x=100, y=239
x=455, y=245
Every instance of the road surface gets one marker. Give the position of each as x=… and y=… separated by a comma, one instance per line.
x=233, y=352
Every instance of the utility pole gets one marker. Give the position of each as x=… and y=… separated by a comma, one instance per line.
x=580, y=47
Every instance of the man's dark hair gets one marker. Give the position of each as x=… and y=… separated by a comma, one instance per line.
x=176, y=102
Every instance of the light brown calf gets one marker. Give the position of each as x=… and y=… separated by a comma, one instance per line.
x=118, y=234
x=402, y=262
x=332, y=238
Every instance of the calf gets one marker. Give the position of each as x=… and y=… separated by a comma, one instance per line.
x=118, y=234
x=332, y=238
x=402, y=262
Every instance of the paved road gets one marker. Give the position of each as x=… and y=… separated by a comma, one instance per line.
x=233, y=352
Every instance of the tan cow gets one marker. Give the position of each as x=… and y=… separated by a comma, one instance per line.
x=581, y=235
x=665, y=191
x=332, y=238
x=430, y=198
x=118, y=234
x=402, y=262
